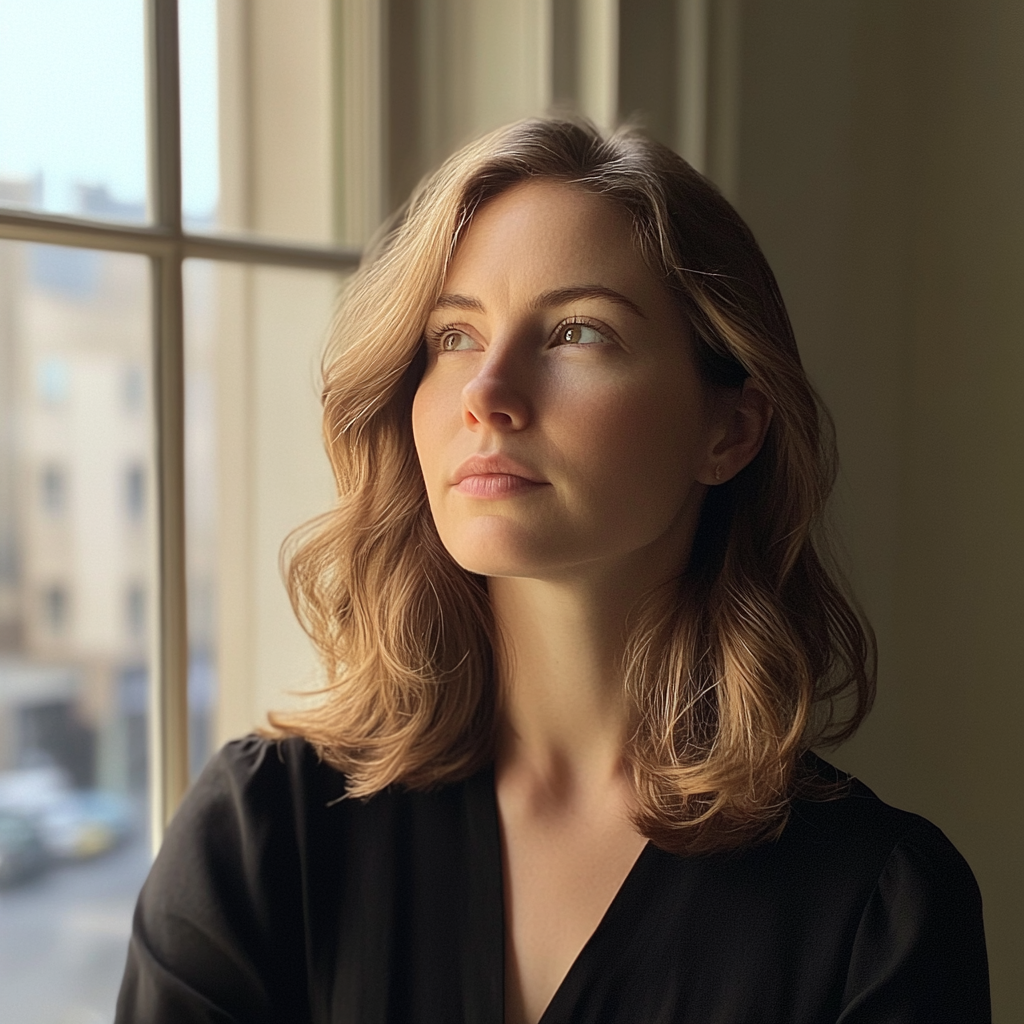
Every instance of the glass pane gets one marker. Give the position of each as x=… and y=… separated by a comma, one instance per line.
x=255, y=469
x=75, y=599
x=257, y=138
x=73, y=107
x=200, y=164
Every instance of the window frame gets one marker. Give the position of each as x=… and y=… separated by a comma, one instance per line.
x=167, y=245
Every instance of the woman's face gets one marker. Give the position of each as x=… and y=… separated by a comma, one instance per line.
x=561, y=425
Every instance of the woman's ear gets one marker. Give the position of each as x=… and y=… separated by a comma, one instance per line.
x=740, y=420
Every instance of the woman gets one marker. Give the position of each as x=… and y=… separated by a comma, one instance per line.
x=580, y=637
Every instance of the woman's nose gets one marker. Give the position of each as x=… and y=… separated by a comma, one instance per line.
x=496, y=396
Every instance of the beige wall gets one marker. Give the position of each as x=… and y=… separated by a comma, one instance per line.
x=278, y=179
x=455, y=69
x=881, y=159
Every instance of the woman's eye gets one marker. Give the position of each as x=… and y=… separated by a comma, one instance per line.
x=455, y=341
x=579, y=334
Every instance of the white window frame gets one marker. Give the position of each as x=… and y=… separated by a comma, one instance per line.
x=167, y=245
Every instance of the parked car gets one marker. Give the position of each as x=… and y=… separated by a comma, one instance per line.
x=23, y=854
x=72, y=824
x=85, y=824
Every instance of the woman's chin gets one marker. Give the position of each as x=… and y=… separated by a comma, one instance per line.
x=490, y=555
x=498, y=564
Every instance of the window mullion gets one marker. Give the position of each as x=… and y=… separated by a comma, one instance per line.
x=165, y=112
x=50, y=229
x=169, y=690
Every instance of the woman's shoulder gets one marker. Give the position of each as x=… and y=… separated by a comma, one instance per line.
x=840, y=811
x=252, y=795
x=219, y=918
x=912, y=905
x=843, y=846
x=887, y=903
x=259, y=790
x=254, y=779
x=261, y=767
x=264, y=759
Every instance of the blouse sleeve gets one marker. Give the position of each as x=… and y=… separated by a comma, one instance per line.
x=216, y=937
x=919, y=953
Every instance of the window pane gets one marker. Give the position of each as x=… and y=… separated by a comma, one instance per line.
x=255, y=469
x=72, y=107
x=200, y=164
x=258, y=145
x=75, y=599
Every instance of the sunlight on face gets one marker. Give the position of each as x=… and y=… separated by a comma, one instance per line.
x=560, y=424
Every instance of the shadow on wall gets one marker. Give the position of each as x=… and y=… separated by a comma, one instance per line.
x=881, y=150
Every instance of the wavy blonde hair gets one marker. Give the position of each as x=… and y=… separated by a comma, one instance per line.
x=751, y=655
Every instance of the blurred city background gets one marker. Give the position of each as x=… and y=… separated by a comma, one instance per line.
x=876, y=147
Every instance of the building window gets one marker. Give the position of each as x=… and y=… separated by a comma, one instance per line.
x=56, y=608
x=53, y=380
x=135, y=611
x=135, y=492
x=54, y=490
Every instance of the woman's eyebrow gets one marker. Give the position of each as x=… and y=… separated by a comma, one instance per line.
x=449, y=301
x=556, y=297
x=561, y=296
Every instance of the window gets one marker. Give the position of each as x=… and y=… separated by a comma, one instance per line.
x=135, y=612
x=127, y=318
x=135, y=492
x=55, y=609
x=53, y=381
x=67, y=260
x=54, y=490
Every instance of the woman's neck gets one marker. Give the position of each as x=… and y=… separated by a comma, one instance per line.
x=561, y=639
x=564, y=713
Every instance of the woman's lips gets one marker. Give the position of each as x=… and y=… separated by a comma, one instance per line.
x=496, y=485
x=494, y=476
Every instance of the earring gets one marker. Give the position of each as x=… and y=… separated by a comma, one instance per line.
x=718, y=473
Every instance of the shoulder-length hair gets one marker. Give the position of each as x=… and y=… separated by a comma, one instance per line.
x=747, y=658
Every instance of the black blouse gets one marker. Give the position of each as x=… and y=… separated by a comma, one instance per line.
x=272, y=900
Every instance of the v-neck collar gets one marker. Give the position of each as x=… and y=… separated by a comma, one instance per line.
x=615, y=919
x=487, y=899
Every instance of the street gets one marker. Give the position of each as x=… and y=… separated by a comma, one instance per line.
x=63, y=939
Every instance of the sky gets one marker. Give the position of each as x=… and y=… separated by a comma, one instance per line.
x=73, y=99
